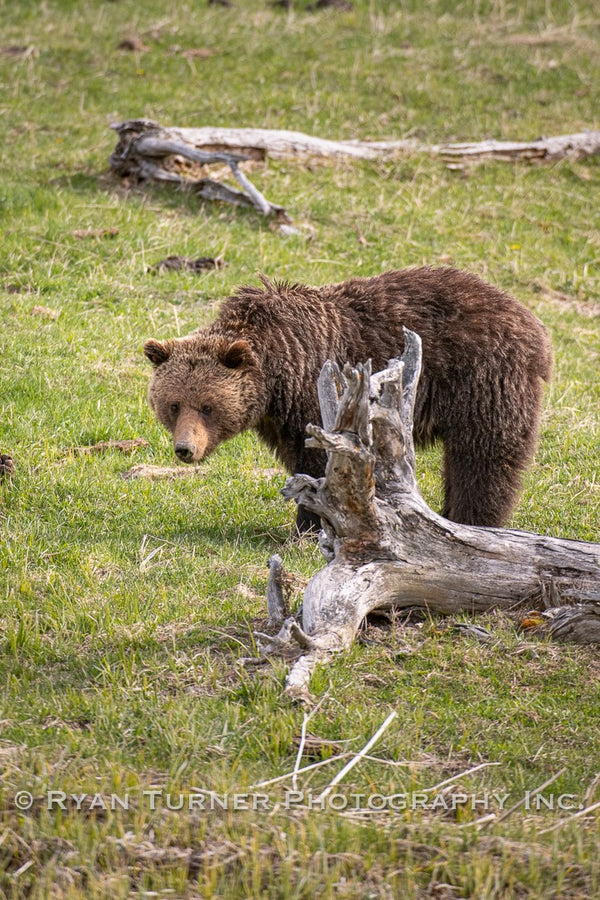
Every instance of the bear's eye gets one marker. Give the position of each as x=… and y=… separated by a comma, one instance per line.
x=174, y=408
x=206, y=410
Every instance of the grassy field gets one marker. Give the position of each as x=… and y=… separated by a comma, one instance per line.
x=125, y=606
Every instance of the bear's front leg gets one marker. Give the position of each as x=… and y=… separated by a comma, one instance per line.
x=308, y=462
x=307, y=522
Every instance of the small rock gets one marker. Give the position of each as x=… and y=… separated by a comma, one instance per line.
x=342, y=5
x=475, y=631
x=20, y=52
x=133, y=43
x=175, y=263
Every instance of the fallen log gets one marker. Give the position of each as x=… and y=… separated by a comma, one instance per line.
x=147, y=151
x=260, y=143
x=385, y=548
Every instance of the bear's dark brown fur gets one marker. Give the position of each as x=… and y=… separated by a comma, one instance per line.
x=484, y=358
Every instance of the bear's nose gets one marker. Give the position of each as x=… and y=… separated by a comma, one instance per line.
x=185, y=452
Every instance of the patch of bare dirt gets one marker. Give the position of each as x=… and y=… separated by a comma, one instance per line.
x=45, y=312
x=81, y=234
x=157, y=473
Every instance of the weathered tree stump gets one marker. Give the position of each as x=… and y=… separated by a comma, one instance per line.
x=385, y=548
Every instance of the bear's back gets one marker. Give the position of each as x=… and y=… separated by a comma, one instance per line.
x=457, y=315
x=460, y=319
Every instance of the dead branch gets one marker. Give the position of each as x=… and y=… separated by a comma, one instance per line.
x=386, y=549
x=543, y=149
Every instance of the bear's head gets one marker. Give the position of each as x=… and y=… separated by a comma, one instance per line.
x=204, y=390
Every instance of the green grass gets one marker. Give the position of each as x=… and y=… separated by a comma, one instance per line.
x=125, y=606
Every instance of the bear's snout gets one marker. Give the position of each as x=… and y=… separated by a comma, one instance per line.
x=185, y=452
x=191, y=440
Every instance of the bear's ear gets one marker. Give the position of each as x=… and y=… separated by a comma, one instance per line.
x=158, y=352
x=236, y=355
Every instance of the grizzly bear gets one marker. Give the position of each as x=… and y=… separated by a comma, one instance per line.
x=256, y=366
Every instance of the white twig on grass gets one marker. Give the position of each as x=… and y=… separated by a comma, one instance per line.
x=479, y=823
x=317, y=765
x=22, y=869
x=492, y=818
x=567, y=819
x=591, y=788
x=530, y=794
x=357, y=758
x=305, y=721
x=442, y=784
x=398, y=763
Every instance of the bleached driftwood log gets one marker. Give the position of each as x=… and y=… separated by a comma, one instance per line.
x=259, y=143
x=385, y=547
